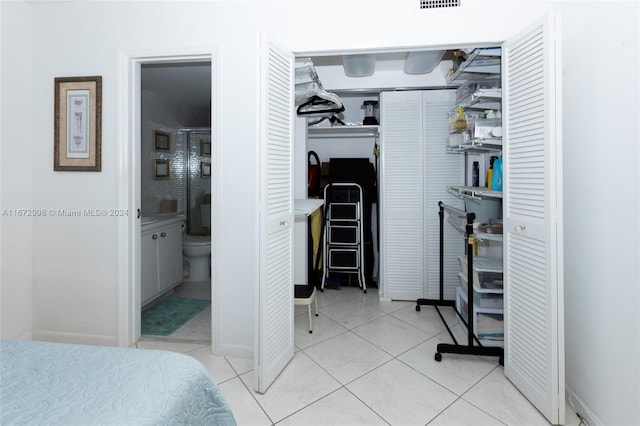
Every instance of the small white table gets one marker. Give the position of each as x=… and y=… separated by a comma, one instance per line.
x=306, y=206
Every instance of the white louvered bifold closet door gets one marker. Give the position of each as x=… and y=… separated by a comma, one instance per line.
x=402, y=252
x=443, y=169
x=274, y=316
x=534, y=328
x=415, y=170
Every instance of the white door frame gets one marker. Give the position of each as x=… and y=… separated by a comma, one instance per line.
x=129, y=198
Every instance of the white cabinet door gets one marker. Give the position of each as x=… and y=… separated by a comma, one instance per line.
x=169, y=257
x=149, y=266
x=274, y=316
x=534, y=327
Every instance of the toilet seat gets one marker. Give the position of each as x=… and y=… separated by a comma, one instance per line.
x=196, y=240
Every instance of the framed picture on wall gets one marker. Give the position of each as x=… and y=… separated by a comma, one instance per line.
x=77, y=141
x=161, y=169
x=205, y=148
x=162, y=141
x=205, y=169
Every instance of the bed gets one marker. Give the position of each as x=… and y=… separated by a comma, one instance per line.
x=63, y=384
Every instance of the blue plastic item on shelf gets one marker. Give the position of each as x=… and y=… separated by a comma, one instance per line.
x=496, y=178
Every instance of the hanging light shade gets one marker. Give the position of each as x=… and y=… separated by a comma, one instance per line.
x=422, y=62
x=359, y=65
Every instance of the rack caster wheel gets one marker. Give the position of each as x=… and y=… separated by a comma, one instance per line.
x=438, y=356
x=417, y=308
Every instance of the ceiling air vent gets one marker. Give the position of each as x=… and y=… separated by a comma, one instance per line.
x=432, y=4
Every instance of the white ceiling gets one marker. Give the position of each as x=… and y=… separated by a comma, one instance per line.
x=184, y=83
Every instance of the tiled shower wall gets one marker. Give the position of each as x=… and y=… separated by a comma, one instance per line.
x=199, y=185
x=186, y=184
x=175, y=187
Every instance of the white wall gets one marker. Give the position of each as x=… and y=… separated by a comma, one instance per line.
x=75, y=261
x=601, y=188
x=16, y=170
x=75, y=277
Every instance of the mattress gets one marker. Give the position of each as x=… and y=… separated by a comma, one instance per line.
x=62, y=384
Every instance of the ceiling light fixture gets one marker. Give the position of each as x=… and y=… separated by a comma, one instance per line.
x=422, y=62
x=359, y=65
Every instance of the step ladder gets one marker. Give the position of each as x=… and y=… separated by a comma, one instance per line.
x=344, y=235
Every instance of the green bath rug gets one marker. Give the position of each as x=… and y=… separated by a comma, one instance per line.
x=169, y=315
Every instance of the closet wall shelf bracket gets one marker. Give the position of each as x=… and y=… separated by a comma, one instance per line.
x=476, y=146
x=343, y=132
x=475, y=192
x=480, y=64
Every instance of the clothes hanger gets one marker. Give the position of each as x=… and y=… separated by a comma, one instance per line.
x=321, y=103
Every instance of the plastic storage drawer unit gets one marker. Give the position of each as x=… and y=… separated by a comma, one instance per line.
x=487, y=323
x=487, y=271
x=483, y=298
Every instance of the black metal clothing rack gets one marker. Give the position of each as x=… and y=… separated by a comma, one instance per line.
x=456, y=348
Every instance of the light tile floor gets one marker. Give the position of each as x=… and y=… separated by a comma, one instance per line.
x=366, y=363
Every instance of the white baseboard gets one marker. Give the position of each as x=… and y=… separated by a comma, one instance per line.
x=236, y=351
x=75, y=338
x=583, y=411
x=24, y=336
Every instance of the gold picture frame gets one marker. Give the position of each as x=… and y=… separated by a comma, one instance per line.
x=162, y=169
x=205, y=148
x=162, y=141
x=205, y=169
x=77, y=124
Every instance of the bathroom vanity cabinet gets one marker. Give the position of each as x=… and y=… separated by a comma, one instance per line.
x=161, y=257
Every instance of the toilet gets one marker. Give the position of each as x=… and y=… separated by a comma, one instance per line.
x=196, y=249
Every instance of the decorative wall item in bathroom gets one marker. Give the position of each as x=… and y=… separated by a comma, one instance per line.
x=205, y=148
x=205, y=169
x=77, y=124
x=162, y=169
x=163, y=141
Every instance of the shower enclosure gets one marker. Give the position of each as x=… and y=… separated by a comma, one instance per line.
x=199, y=182
x=186, y=187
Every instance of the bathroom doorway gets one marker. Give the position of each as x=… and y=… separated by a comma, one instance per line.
x=175, y=185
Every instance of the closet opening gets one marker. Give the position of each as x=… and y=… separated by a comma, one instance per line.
x=396, y=121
